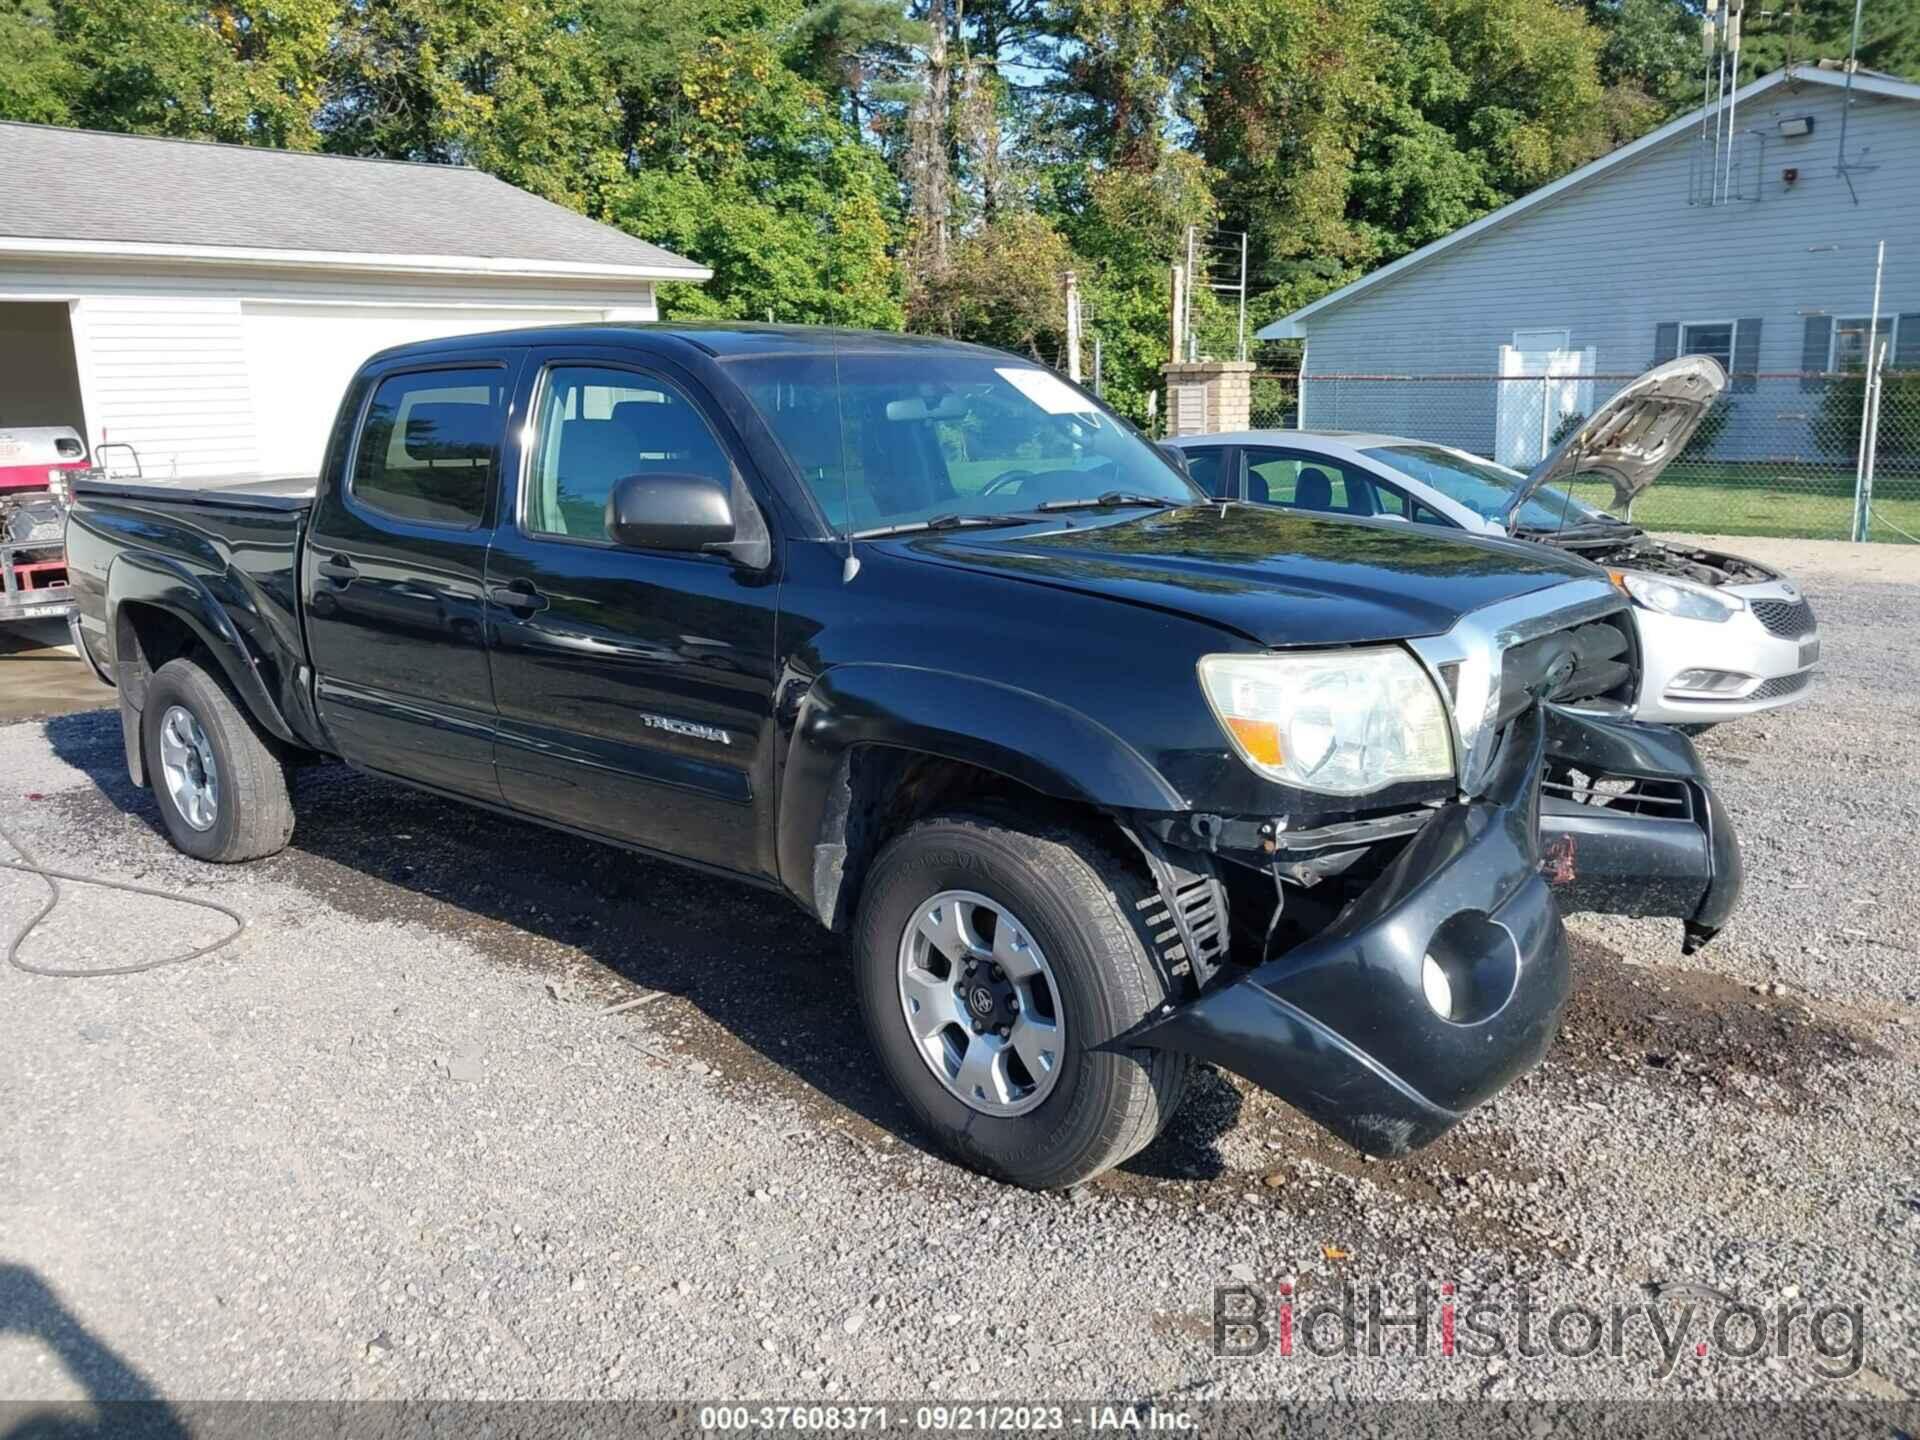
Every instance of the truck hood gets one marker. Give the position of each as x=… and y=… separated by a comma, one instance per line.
x=1636, y=434
x=1277, y=576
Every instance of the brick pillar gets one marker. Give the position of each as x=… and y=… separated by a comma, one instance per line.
x=1208, y=397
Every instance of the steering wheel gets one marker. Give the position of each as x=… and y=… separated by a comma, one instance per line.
x=1006, y=480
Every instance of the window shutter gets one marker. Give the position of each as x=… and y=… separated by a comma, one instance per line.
x=1666, y=341
x=1815, y=351
x=1746, y=355
x=1906, y=344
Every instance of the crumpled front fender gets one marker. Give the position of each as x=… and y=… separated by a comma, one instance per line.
x=1446, y=978
x=1341, y=1026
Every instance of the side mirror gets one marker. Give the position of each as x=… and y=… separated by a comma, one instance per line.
x=1178, y=457
x=670, y=511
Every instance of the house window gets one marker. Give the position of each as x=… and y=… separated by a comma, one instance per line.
x=1542, y=342
x=1850, y=341
x=1714, y=338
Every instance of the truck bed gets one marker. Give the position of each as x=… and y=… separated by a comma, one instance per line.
x=280, y=492
x=228, y=550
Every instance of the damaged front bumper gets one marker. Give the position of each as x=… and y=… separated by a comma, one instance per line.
x=1445, y=979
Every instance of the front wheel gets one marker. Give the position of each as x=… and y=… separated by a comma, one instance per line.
x=994, y=965
x=221, y=787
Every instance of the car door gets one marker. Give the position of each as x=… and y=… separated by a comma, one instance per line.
x=394, y=567
x=635, y=687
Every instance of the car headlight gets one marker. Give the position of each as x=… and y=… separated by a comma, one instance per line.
x=1344, y=722
x=1679, y=597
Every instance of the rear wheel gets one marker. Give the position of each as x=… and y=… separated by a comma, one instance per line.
x=221, y=787
x=993, y=965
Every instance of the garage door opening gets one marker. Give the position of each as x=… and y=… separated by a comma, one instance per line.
x=300, y=357
x=39, y=377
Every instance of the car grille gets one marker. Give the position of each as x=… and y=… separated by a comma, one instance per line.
x=1788, y=618
x=1783, y=685
x=1660, y=799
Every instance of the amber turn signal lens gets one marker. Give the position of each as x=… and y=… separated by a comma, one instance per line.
x=1259, y=738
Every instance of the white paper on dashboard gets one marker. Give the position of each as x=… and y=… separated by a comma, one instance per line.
x=1049, y=392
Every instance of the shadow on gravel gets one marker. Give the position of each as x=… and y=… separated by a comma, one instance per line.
x=1189, y=1148
x=584, y=915
x=90, y=743
x=1700, y=1033
x=29, y=1308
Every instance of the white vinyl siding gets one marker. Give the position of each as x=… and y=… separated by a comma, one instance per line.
x=212, y=371
x=168, y=376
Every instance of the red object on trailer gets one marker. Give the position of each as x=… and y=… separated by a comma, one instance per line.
x=36, y=464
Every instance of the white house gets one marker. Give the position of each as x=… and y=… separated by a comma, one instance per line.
x=206, y=303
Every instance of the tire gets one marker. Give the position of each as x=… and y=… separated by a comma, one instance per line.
x=1080, y=905
x=251, y=811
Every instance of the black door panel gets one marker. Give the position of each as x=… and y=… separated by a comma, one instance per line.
x=634, y=687
x=395, y=570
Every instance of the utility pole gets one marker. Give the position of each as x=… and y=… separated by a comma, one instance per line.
x=1186, y=318
x=1073, y=327
x=1177, y=330
x=1869, y=412
x=1243, y=296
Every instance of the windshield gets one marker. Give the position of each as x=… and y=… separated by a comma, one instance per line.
x=1488, y=489
x=901, y=439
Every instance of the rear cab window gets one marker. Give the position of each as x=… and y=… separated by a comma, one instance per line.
x=429, y=446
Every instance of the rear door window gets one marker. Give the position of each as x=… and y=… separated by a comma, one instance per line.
x=430, y=445
x=1304, y=481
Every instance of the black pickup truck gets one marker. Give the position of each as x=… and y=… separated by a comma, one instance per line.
x=1098, y=776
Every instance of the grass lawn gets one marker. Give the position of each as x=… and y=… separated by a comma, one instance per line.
x=1756, y=499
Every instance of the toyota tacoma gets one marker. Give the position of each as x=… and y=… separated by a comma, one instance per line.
x=1099, y=777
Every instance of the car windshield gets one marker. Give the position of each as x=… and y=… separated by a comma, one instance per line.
x=903, y=440
x=1487, y=489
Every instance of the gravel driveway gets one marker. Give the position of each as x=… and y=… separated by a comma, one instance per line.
x=392, y=1143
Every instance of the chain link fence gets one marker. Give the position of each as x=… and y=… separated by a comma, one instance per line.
x=1780, y=454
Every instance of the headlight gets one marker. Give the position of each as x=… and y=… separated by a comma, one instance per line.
x=1680, y=597
x=1345, y=722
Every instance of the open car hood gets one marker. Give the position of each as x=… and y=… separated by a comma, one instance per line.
x=1636, y=434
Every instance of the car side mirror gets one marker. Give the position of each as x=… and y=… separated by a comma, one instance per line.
x=670, y=510
x=1179, y=458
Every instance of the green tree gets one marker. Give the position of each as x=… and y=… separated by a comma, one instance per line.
x=38, y=77
x=753, y=173
x=515, y=87
x=221, y=72
x=1803, y=31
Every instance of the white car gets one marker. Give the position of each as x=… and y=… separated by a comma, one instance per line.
x=1722, y=636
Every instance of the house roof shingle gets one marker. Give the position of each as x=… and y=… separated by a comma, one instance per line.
x=92, y=186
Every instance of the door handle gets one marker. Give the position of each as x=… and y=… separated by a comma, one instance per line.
x=518, y=596
x=339, y=569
